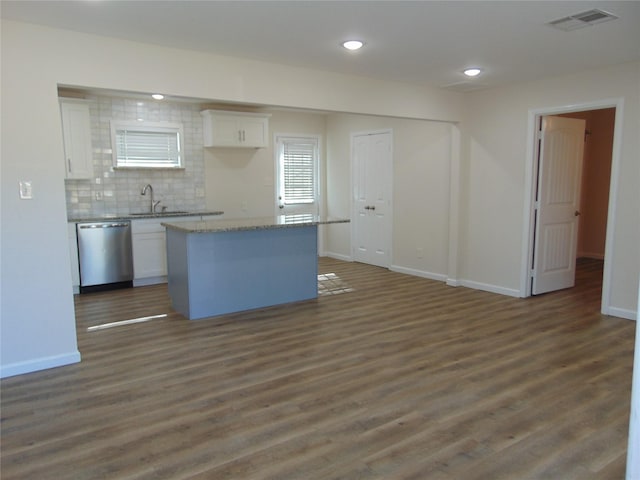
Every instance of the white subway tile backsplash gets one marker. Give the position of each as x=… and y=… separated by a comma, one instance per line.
x=119, y=190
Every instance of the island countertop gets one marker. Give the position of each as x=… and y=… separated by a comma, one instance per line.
x=259, y=223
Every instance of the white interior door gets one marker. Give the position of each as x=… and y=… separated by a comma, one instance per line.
x=372, y=180
x=557, y=203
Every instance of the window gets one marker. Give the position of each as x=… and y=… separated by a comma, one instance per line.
x=297, y=174
x=146, y=145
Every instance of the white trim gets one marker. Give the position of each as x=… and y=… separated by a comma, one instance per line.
x=454, y=206
x=621, y=313
x=487, y=287
x=616, y=155
x=595, y=256
x=633, y=444
x=452, y=282
x=320, y=173
x=418, y=273
x=528, y=210
x=43, y=363
x=143, y=282
x=337, y=256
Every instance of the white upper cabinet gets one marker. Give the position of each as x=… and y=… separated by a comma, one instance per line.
x=235, y=129
x=76, y=131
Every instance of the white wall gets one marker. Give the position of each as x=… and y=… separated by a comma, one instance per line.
x=421, y=163
x=35, y=60
x=38, y=325
x=241, y=182
x=494, y=158
x=36, y=312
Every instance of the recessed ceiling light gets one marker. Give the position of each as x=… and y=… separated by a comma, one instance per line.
x=472, y=72
x=157, y=96
x=352, y=44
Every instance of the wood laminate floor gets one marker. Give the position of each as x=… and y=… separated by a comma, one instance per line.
x=394, y=377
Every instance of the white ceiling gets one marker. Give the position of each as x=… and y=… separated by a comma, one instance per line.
x=424, y=42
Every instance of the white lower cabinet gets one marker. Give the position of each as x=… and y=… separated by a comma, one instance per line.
x=149, y=249
x=149, y=252
x=148, y=238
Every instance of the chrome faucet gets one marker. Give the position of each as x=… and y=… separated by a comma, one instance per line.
x=152, y=204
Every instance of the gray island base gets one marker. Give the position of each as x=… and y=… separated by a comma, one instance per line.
x=224, y=266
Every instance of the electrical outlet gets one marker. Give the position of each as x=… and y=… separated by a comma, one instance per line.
x=419, y=252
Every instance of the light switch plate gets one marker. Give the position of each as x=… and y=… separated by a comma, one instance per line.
x=26, y=190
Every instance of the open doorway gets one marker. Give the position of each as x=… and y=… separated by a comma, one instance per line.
x=596, y=178
x=598, y=186
x=594, y=198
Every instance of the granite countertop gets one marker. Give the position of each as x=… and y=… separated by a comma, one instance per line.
x=133, y=216
x=261, y=223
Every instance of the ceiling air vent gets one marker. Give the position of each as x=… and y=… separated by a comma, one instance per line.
x=584, y=19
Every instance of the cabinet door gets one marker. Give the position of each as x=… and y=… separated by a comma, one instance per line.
x=235, y=129
x=149, y=249
x=149, y=255
x=76, y=129
x=225, y=131
x=254, y=132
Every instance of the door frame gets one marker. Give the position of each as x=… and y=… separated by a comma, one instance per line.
x=352, y=186
x=531, y=169
x=320, y=180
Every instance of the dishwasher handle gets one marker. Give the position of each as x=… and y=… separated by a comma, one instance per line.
x=105, y=225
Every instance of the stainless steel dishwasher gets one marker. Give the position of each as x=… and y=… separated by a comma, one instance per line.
x=104, y=252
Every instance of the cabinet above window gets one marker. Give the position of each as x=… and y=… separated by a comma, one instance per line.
x=235, y=129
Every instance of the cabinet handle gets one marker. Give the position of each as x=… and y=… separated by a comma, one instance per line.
x=69, y=164
x=239, y=135
x=243, y=137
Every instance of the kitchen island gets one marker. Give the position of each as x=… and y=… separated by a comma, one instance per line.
x=230, y=265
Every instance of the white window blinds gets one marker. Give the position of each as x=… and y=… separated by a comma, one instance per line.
x=147, y=145
x=298, y=170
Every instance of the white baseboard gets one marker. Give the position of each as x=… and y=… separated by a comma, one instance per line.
x=337, y=256
x=29, y=366
x=621, y=312
x=141, y=282
x=452, y=282
x=418, y=273
x=595, y=256
x=487, y=287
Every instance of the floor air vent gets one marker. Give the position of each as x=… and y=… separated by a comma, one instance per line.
x=584, y=19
